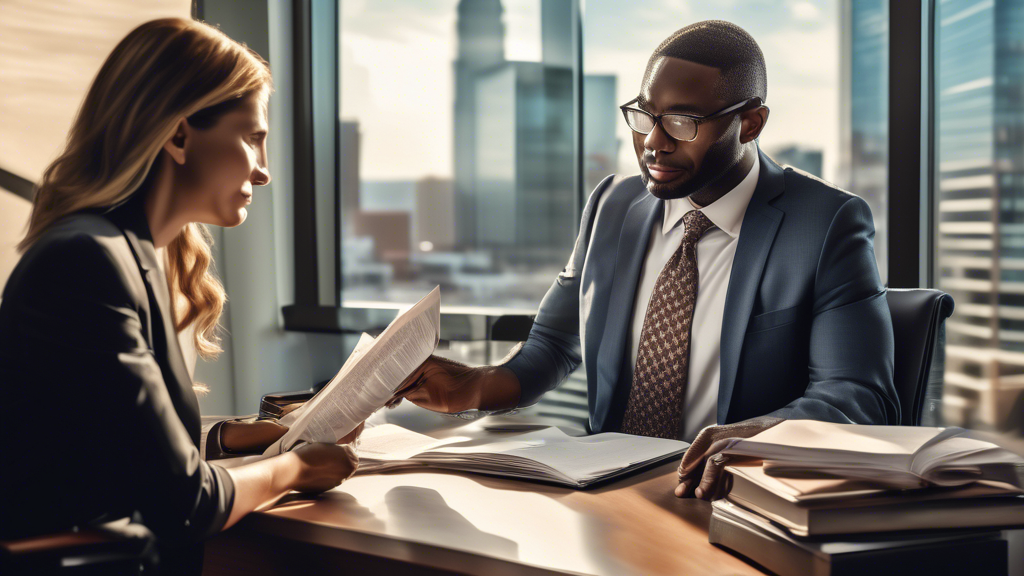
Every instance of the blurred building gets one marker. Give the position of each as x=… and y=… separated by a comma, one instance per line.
x=807, y=159
x=391, y=238
x=348, y=160
x=481, y=46
x=979, y=188
x=514, y=155
x=434, y=222
x=600, y=118
x=864, y=89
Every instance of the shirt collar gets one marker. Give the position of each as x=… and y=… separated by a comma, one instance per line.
x=726, y=213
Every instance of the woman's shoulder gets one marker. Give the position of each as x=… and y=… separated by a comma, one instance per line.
x=81, y=253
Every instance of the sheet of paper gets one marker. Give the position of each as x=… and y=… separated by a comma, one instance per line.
x=369, y=379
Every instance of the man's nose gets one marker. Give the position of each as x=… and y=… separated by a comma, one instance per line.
x=659, y=141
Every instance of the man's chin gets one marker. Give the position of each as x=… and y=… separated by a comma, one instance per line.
x=666, y=190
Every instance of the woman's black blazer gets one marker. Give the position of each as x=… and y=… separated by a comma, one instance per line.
x=99, y=417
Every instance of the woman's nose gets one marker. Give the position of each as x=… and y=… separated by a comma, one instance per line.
x=260, y=176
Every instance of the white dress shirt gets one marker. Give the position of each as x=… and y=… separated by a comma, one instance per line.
x=715, y=252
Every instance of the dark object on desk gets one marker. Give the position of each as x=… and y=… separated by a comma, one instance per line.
x=111, y=549
x=274, y=406
x=919, y=335
x=975, y=553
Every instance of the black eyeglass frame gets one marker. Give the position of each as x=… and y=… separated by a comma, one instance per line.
x=697, y=120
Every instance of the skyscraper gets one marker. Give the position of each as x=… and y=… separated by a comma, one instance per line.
x=481, y=45
x=979, y=188
x=865, y=93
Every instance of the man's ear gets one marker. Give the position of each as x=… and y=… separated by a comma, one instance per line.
x=753, y=121
x=175, y=146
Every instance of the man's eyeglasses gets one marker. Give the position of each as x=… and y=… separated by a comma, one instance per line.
x=681, y=127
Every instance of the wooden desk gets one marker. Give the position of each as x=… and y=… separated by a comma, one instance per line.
x=442, y=522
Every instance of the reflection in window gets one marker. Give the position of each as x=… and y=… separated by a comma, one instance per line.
x=458, y=151
x=979, y=107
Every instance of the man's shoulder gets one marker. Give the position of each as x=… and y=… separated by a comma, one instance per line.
x=806, y=192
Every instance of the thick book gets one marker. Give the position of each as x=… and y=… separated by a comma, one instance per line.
x=815, y=507
x=545, y=455
x=757, y=539
x=894, y=456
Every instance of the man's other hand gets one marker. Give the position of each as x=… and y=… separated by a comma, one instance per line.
x=702, y=464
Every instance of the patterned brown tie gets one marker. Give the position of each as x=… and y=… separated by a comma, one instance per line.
x=658, y=396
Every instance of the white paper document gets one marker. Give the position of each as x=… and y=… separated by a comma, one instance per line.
x=368, y=379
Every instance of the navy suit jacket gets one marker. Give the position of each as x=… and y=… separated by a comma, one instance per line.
x=806, y=332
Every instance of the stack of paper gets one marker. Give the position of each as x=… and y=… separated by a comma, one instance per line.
x=548, y=455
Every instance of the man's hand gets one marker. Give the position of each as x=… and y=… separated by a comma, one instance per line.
x=444, y=385
x=702, y=464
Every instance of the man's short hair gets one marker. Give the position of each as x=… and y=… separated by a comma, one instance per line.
x=721, y=45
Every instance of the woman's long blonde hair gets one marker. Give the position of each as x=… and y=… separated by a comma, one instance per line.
x=162, y=71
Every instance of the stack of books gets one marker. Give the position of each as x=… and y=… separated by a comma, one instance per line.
x=819, y=498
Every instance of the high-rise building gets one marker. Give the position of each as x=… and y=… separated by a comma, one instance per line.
x=348, y=159
x=481, y=46
x=514, y=138
x=865, y=111
x=434, y=225
x=524, y=170
x=979, y=188
x=600, y=119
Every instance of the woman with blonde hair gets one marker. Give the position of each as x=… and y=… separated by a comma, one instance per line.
x=102, y=421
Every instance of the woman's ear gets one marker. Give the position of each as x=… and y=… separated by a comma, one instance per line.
x=175, y=146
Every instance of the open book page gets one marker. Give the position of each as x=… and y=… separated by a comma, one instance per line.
x=368, y=381
x=530, y=455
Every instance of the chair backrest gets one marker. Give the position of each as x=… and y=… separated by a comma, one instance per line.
x=918, y=325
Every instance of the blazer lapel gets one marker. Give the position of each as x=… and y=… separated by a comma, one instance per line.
x=629, y=257
x=162, y=332
x=760, y=224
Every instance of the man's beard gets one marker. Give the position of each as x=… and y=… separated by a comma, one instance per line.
x=720, y=158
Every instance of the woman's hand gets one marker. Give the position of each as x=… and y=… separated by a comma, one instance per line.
x=250, y=436
x=324, y=466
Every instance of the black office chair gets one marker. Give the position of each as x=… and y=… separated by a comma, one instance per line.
x=110, y=550
x=918, y=326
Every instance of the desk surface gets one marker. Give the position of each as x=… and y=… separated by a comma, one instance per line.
x=451, y=522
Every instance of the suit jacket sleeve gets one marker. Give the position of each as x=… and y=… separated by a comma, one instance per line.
x=91, y=325
x=851, y=339
x=552, y=351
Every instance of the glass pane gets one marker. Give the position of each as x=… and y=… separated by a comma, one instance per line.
x=979, y=207
x=457, y=155
x=827, y=82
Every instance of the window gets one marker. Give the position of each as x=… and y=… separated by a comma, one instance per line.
x=457, y=150
x=979, y=251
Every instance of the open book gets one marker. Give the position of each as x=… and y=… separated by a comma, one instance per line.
x=368, y=379
x=547, y=455
x=891, y=456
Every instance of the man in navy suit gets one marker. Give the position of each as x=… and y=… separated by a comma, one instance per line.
x=711, y=297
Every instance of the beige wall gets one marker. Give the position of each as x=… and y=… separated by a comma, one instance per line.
x=14, y=212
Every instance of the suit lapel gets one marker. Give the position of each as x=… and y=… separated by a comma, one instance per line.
x=760, y=224
x=163, y=336
x=629, y=257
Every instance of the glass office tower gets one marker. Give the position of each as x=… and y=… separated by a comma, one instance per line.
x=979, y=211
x=865, y=106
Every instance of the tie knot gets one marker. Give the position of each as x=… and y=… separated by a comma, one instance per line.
x=695, y=224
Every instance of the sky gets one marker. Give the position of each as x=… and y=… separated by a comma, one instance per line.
x=397, y=65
